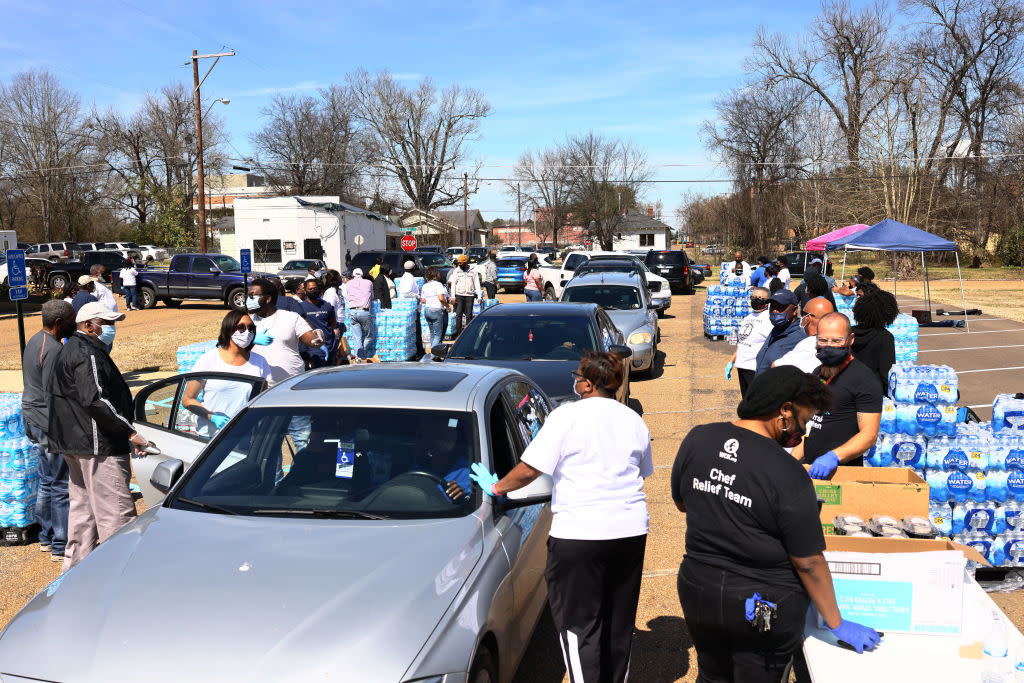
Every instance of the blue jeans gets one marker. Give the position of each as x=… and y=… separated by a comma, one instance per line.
x=533, y=294
x=130, y=296
x=52, y=499
x=362, y=332
x=437, y=323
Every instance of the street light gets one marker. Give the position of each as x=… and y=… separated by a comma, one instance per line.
x=222, y=101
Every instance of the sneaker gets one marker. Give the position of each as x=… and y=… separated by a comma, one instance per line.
x=56, y=558
x=44, y=548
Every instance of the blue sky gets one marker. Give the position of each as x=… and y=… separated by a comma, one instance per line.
x=648, y=71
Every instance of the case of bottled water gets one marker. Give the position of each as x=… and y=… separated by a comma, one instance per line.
x=188, y=355
x=934, y=384
x=19, y=460
x=1008, y=413
x=725, y=307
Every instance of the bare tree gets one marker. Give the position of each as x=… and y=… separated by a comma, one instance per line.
x=607, y=176
x=47, y=140
x=311, y=145
x=842, y=61
x=420, y=136
x=548, y=188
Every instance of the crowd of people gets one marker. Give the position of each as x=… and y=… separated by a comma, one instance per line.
x=811, y=395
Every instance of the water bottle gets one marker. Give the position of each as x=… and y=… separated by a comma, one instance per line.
x=908, y=452
x=941, y=516
x=881, y=454
x=960, y=485
x=995, y=486
x=938, y=485
x=888, y=425
x=996, y=664
x=979, y=518
x=927, y=419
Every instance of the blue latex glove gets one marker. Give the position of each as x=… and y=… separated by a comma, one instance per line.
x=483, y=477
x=751, y=602
x=263, y=339
x=219, y=419
x=824, y=465
x=728, y=370
x=858, y=637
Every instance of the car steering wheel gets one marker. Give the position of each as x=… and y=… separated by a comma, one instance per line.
x=420, y=479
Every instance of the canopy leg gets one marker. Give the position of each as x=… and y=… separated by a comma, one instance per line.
x=963, y=298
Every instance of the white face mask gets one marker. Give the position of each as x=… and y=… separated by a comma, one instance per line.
x=243, y=339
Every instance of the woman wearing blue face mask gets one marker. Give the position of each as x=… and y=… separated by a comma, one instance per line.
x=222, y=399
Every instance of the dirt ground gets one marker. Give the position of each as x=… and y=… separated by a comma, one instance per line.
x=687, y=389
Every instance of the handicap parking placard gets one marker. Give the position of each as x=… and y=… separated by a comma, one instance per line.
x=17, y=276
x=246, y=258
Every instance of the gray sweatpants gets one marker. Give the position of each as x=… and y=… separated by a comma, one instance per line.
x=99, y=502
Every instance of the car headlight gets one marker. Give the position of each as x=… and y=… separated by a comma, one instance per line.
x=640, y=338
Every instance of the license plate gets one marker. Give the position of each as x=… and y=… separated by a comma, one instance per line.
x=666, y=269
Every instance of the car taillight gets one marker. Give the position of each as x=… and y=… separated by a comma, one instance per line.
x=521, y=269
x=686, y=269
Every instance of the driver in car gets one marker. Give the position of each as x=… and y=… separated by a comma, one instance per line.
x=447, y=458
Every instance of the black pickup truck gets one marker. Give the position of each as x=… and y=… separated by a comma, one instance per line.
x=194, y=276
x=63, y=275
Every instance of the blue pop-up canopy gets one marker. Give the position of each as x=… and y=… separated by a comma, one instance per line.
x=890, y=235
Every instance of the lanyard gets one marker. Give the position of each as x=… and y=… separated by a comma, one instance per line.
x=842, y=367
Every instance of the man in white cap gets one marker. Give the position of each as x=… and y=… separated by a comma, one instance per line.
x=408, y=288
x=84, y=295
x=90, y=422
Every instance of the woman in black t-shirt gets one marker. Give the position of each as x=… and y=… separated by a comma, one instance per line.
x=752, y=527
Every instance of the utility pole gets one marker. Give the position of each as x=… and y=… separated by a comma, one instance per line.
x=200, y=176
x=519, y=210
x=465, y=208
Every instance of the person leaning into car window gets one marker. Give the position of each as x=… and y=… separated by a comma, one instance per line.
x=447, y=458
x=598, y=453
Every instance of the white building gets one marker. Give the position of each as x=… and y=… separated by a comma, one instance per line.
x=280, y=229
x=641, y=230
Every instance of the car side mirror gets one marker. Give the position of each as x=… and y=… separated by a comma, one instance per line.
x=214, y=271
x=537, y=492
x=652, y=306
x=439, y=351
x=620, y=350
x=166, y=474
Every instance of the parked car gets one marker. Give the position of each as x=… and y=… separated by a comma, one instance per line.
x=397, y=259
x=510, y=272
x=510, y=247
x=713, y=249
x=432, y=248
x=127, y=249
x=452, y=252
x=688, y=245
x=89, y=246
x=63, y=275
x=555, y=276
x=624, y=297
x=194, y=276
x=38, y=270
x=300, y=268
x=157, y=253
x=796, y=261
x=477, y=254
x=54, y=251
x=659, y=288
x=674, y=266
x=343, y=561
x=542, y=340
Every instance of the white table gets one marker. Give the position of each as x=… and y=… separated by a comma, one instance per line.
x=910, y=657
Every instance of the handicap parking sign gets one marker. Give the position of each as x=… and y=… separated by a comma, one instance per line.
x=16, y=275
x=246, y=258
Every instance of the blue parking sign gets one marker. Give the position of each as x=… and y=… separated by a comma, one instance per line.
x=246, y=255
x=16, y=275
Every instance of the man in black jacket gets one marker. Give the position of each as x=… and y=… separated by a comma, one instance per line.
x=90, y=422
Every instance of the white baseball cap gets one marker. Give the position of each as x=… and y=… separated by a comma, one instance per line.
x=94, y=309
x=84, y=279
x=410, y=265
x=357, y=272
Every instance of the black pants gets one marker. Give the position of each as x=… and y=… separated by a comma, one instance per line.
x=593, y=589
x=746, y=377
x=463, y=305
x=492, y=289
x=728, y=647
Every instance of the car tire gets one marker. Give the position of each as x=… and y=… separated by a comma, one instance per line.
x=484, y=669
x=173, y=303
x=236, y=299
x=59, y=281
x=147, y=297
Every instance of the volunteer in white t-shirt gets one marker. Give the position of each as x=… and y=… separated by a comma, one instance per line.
x=129, y=281
x=222, y=399
x=278, y=332
x=754, y=329
x=783, y=272
x=435, y=300
x=598, y=453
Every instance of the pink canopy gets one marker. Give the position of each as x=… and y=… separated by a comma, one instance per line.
x=818, y=243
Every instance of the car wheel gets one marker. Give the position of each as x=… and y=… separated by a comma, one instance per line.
x=484, y=669
x=147, y=297
x=549, y=293
x=59, y=282
x=54, y=259
x=173, y=303
x=236, y=299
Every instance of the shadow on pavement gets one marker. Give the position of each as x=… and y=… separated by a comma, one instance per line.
x=659, y=653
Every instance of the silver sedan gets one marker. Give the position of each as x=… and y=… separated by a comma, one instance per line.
x=328, y=532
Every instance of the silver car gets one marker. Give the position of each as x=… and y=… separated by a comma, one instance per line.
x=300, y=269
x=327, y=532
x=627, y=302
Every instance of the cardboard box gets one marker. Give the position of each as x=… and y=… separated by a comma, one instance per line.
x=870, y=491
x=898, y=585
x=922, y=317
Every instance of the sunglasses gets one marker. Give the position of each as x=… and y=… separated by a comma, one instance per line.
x=577, y=376
x=245, y=328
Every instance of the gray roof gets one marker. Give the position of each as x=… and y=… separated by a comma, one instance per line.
x=457, y=217
x=342, y=206
x=639, y=220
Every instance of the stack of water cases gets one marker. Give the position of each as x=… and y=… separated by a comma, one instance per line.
x=19, y=477
x=396, y=330
x=727, y=278
x=905, y=331
x=844, y=304
x=725, y=307
x=477, y=309
x=188, y=355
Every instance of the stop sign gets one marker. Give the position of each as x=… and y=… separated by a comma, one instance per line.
x=408, y=243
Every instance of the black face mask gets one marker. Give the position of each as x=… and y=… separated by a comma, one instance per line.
x=758, y=304
x=791, y=439
x=832, y=355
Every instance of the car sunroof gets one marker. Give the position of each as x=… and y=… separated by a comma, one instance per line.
x=411, y=379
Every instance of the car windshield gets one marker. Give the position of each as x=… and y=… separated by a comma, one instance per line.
x=526, y=337
x=338, y=462
x=667, y=258
x=430, y=258
x=511, y=262
x=227, y=264
x=614, y=297
x=299, y=265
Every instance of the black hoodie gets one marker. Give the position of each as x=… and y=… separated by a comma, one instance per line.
x=875, y=348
